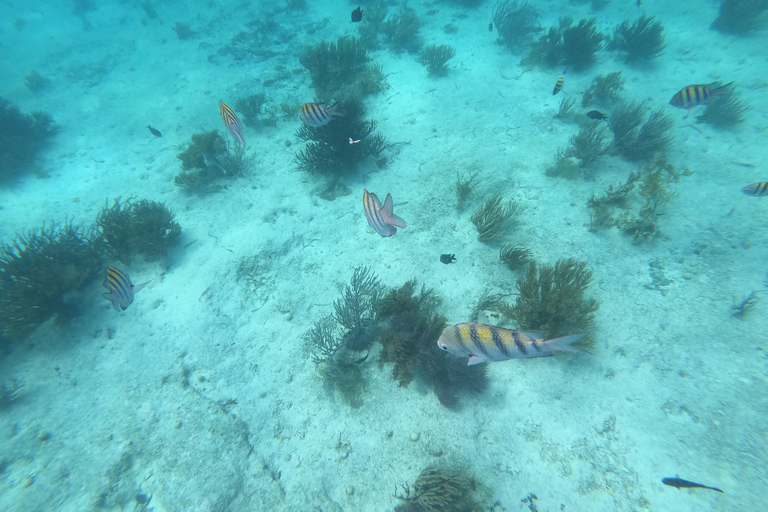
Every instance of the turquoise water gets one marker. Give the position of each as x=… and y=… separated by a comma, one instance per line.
x=214, y=389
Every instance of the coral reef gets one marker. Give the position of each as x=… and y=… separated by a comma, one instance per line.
x=642, y=40
x=335, y=68
x=741, y=17
x=514, y=257
x=634, y=139
x=250, y=107
x=330, y=152
x=434, y=58
x=36, y=270
x=552, y=299
x=491, y=218
x=573, y=46
x=401, y=31
x=439, y=490
x=515, y=22
x=604, y=88
x=22, y=137
x=409, y=341
x=208, y=158
x=587, y=145
x=130, y=228
x=356, y=311
x=724, y=110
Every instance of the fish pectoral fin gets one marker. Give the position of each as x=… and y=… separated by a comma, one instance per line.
x=394, y=220
x=473, y=360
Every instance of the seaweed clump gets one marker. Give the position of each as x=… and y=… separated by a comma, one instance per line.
x=37, y=270
x=642, y=40
x=409, y=341
x=515, y=22
x=635, y=139
x=573, y=46
x=208, y=158
x=491, y=219
x=434, y=58
x=22, y=137
x=604, y=88
x=741, y=17
x=552, y=299
x=401, y=31
x=724, y=110
x=514, y=257
x=250, y=106
x=329, y=150
x=439, y=490
x=586, y=146
x=340, y=70
x=130, y=228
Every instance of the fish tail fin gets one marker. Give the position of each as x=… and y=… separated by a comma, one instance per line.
x=138, y=287
x=565, y=343
x=394, y=220
x=336, y=110
x=723, y=89
x=389, y=217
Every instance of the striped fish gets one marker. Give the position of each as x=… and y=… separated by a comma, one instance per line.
x=558, y=85
x=232, y=122
x=379, y=217
x=121, y=291
x=482, y=343
x=315, y=115
x=697, y=94
x=756, y=189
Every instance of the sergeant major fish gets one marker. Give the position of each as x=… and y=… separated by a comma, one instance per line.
x=756, y=189
x=482, y=343
x=697, y=94
x=558, y=85
x=379, y=217
x=121, y=291
x=316, y=115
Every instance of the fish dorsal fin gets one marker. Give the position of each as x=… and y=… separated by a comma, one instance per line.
x=534, y=335
x=388, y=205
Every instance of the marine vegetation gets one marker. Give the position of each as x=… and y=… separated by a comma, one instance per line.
x=401, y=31
x=642, y=40
x=552, y=299
x=565, y=110
x=329, y=151
x=569, y=45
x=336, y=68
x=634, y=139
x=434, y=58
x=250, y=107
x=36, y=82
x=183, y=31
x=587, y=145
x=22, y=138
x=604, y=88
x=374, y=18
x=724, y=110
x=515, y=257
x=745, y=306
x=208, y=158
x=464, y=186
x=492, y=218
x=603, y=207
x=439, y=490
x=37, y=269
x=409, y=341
x=515, y=22
x=130, y=228
x=8, y=393
x=741, y=17
x=356, y=311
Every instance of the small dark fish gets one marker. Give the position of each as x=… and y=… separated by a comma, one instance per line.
x=155, y=132
x=638, y=3
x=596, y=115
x=121, y=291
x=362, y=359
x=232, y=122
x=558, y=85
x=447, y=258
x=490, y=27
x=357, y=15
x=685, y=484
x=756, y=189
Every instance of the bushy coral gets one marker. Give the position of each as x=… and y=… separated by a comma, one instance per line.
x=208, y=158
x=741, y=17
x=569, y=45
x=439, y=490
x=329, y=151
x=401, y=31
x=130, y=228
x=515, y=22
x=586, y=146
x=604, y=88
x=336, y=68
x=642, y=40
x=552, y=299
x=434, y=58
x=37, y=269
x=22, y=138
x=724, y=110
x=514, y=257
x=491, y=219
x=250, y=106
x=635, y=139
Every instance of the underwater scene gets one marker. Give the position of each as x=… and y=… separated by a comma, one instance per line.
x=412, y=256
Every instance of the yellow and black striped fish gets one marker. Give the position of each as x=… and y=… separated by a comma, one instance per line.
x=756, y=189
x=232, y=122
x=380, y=217
x=481, y=343
x=697, y=94
x=316, y=115
x=558, y=85
x=121, y=291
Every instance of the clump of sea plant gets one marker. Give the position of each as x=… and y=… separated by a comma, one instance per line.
x=515, y=22
x=724, y=110
x=370, y=29
x=464, y=186
x=604, y=88
x=515, y=257
x=250, y=106
x=636, y=136
x=569, y=45
x=586, y=146
x=434, y=58
x=37, y=270
x=553, y=299
x=129, y=228
x=22, y=138
x=36, y=82
x=491, y=219
x=640, y=41
x=741, y=17
x=438, y=490
x=207, y=159
x=336, y=68
x=401, y=31
x=329, y=151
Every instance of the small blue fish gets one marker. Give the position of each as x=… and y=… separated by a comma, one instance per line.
x=316, y=115
x=121, y=291
x=379, y=217
x=232, y=122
